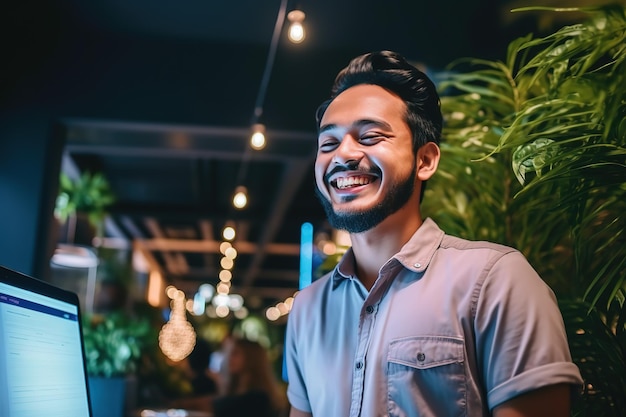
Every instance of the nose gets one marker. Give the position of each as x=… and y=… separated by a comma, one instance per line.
x=348, y=152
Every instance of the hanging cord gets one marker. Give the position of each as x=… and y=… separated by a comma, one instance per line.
x=267, y=72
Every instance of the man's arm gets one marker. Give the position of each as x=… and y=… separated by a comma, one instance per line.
x=550, y=401
x=297, y=413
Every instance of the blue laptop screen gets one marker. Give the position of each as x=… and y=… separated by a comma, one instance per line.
x=40, y=355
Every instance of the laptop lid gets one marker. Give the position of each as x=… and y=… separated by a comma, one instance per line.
x=42, y=358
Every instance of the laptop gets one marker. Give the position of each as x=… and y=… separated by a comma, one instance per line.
x=42, y=358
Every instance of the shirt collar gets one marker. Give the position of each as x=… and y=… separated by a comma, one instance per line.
x=415, y=255
x=345, y=269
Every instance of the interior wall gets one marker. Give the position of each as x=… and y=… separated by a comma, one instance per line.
x=63, y=71
x=27, y=170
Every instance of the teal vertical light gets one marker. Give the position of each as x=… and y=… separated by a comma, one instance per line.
x=306, y=254
x=306, y=271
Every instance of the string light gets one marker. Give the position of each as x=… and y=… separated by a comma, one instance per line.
x=282, y=308
x=226, y=263
x=177, y=337
x=296, y=30
x=240, y=199
x=272, y=314
x=235, y=302
x=224, y=246
x=257, y=140
x=222, y=311
x=242, y=313
x=222, y=289
x=228, y=233
x=230, y=253
x=296, y=34
x=207, y=291
x=225, y=275
x=220, y=299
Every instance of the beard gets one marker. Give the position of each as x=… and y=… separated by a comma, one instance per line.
x=360, y=221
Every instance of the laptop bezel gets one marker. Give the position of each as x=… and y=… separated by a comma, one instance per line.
x=25, y=282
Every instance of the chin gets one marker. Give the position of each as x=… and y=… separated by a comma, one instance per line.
x=360, y=218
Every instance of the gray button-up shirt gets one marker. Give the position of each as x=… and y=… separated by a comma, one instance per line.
x=450, y=328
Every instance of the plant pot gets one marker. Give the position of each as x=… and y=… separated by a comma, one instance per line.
x=78, y=230
x=108, y=396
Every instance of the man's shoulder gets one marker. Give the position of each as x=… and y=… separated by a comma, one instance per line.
x=455, y=242
x=312, y=291
x=430, y=233
x=318, y=284
x=433, y=232
x=484, y=258
x=468, y=254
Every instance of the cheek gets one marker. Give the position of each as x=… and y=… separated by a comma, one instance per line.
x=320, y=170
x=398, y=166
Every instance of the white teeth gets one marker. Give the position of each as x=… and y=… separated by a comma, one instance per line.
x=352, y=181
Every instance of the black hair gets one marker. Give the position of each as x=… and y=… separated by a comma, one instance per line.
x=393, y=72
x=200, y=356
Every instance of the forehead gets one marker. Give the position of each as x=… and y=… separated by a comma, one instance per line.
x=364, y=101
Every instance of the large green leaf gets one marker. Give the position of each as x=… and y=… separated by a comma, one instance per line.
x=534, y=156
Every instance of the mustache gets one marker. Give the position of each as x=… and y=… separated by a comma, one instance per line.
x=351, y=167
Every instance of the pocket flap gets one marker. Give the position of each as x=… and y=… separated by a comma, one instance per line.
x=426, y=351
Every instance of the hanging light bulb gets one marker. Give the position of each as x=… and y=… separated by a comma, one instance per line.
x=225, y=275
x=228, y=233
x=240, y=199
x=230, y=253
x=296, y=30
x=257, y=140
x=227, y=263
x=177, y=337
x=224, y=246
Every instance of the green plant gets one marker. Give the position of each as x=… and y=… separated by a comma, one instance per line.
x=89, y=193
x=534, y=156
x=114, y=342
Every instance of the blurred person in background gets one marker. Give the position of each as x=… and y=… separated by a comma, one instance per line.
x=251, y=388
x=203, y=383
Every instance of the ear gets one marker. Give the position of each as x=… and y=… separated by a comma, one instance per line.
x=427, y=160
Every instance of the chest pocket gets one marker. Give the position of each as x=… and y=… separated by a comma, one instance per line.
x=426, y=377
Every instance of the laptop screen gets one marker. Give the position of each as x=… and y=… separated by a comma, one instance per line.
x=41, y=350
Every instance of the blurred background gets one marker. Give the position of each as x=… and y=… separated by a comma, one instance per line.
x=144, y=112
x=162, y=97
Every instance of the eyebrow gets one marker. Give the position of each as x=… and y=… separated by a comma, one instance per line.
x=357, y=124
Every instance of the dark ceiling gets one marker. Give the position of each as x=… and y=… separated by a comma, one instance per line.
x=160, y=97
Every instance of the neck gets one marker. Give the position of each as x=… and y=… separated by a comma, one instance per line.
x=374, y=247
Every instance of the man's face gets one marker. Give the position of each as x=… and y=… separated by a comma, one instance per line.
x=365, y=166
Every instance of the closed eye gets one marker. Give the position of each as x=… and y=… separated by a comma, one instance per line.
x=371, y=139
x=328, y=145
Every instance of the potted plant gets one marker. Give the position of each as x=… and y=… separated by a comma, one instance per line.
x=82, y=203
x=534, y=156
x=113, y=349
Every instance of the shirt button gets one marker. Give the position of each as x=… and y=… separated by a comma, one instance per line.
x=359, y=365
x=417, y=264
x=369, y=309
x=421, y=357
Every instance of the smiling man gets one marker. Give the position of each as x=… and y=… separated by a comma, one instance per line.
x=413, y=322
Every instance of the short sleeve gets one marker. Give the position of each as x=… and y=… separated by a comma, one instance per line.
x=520, y=334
